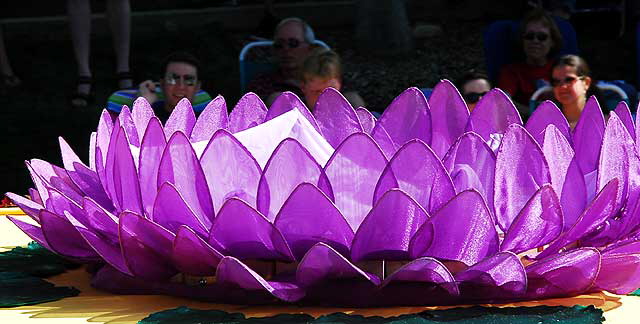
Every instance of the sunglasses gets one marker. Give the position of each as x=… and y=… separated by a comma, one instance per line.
x=289, y=43
x=568, y=80
x=187, y=79
x=540, y=36
x=473, y=97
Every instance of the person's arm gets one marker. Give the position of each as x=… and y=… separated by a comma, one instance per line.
x=147, y=90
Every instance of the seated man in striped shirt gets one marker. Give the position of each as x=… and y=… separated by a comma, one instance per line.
x=180, y=80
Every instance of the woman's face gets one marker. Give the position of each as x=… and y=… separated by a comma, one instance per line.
x=537, y=41
x=568, y=87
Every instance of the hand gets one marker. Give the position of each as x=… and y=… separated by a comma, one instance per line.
x=147, y=89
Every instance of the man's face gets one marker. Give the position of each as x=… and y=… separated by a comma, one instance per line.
x=289, y=45
x=313, y=87
x=180, y=81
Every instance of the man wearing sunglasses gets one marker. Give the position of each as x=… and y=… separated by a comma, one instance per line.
x=291, y=45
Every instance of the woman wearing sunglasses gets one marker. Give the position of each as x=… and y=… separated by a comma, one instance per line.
x=572, y=85
x=540, y=40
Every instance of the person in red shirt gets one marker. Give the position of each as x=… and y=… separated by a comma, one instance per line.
x=540, y=41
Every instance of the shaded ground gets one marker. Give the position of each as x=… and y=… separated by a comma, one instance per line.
x=36, y=114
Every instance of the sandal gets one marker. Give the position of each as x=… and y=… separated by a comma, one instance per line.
x=80, y=99
x=124, y=80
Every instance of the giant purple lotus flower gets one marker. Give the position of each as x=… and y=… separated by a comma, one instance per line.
x=427, y=205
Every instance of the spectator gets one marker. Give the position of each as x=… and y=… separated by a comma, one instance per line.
x=180, y=80
x=119, y=16
x=322, y=69
x=9, y=79
x=572, y=85
x=473, y=86
x=540, y=42
x=293, y=39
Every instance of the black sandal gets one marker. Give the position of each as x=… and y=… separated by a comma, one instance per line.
x=124, y=80
x=82, y=100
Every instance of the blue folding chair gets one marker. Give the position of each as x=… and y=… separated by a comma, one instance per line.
x=500, y=37
x=250, y=68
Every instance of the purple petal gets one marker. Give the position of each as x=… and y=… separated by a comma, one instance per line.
x=248, y=112
x=623, y=112
x=100, y=221
x=182, y=119
x=419, y=172
x=153, y=144
x=366, y=118
x=55, y=177
x=493, y=114
x=103, y=138
x=222, y=151
x=33, y=231
x=499, y=276
x=35, y=196
x=574, y=194
x=386, y=231
x=180, y=166
x=382, y=138
x=601, y=208
x=449, y=115
x=619, y=273
x=241, y=231
x=309, y=217
x=539, y=222
x=141, y=113
x=41, y=187
x=129, y=127
x=289, y=165
x=426, y=270
x=353, y=171
x=146, y=247
x=59, y=203
x=587, y=136
x=521, y=170
x=171, y=211
x=471, y=164
x=64, y=239
x=193, y=255
x=322, y=263
x=212, y=118
x=287, y=101
x=122, y=176
x=408, y=117
x=462, y=230
x=233, y=271
x=29, y=207
x=547, y=114
x=566, y=274
x=335, y=116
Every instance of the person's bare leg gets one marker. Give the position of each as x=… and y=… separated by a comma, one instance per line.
x=9, y=79
x=79, y=12
x=119, y=16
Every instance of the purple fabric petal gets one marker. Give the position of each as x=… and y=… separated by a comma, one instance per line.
x=418, y=171
x=182, y=119
x=598, y=211
x=566, y=274
x=309, y=217
x=35, y=196
x=122, y=176
x=103, y=138
x=225, y=150
x=574, y=194
x=366, y=118
x=248, y=112
x=587, y=136
x=55, y=177
x=241, y=231
x=39, y=183
x=212, y=118
x=232, y=271
x=353, y=171
x=289, y=165
x=386, y=231
x=462, y=230
x=59, y=203
x=153, y=144
x=382, y=138
x=500, y=276
x=493, y=114
x=547, y=114
x=623, y=112
x=425, y=270
x=100, y=221
x=408, y=117
x=171, y=211
x=323, y=263
x=619, y=273
x=146, y=247
x=34, y=232
x=287, y=101
x=29, y=207
x=471, y=164
x=193, y=255
x=521, y=170
x=64, y=239
x=449, y=115
x=180, y=166
x=127, y=123
x=141, y=113
x=537, y=224
x=335, y=116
